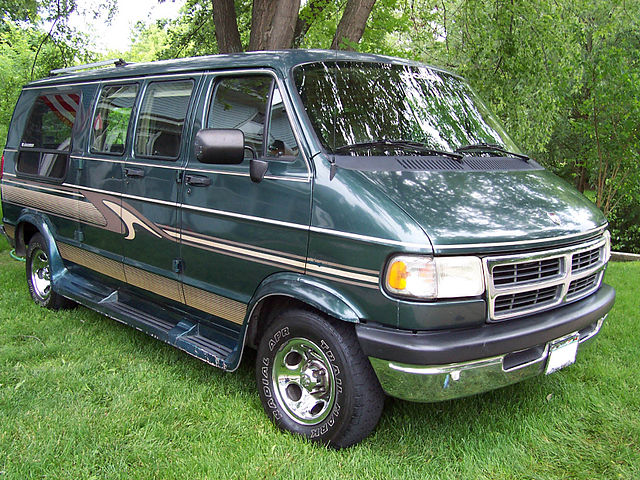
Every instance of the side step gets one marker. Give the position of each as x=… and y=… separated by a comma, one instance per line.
x=217, y=346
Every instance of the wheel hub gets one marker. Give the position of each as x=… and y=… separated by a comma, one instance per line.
x=303, y=381
x=40, y=274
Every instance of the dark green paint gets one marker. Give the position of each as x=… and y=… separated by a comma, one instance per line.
x=357, y=220
x=309, y=290
x=455, y=208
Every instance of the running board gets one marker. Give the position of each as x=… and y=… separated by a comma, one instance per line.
x=215, y=346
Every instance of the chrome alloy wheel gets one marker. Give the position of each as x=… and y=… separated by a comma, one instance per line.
x=303, y=381
x=41, y=274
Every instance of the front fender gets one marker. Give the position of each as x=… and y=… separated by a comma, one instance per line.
x=46, y=230
x=308, y=290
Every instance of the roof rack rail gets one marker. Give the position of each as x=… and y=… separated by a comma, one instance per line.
x=118, y=62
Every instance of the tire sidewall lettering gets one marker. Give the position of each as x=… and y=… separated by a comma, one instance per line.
x=276, y=411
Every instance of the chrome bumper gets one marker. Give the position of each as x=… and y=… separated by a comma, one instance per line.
x=420, y=383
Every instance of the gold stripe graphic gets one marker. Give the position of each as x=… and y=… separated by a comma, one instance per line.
x=194, y=297
x=92, y=261
x=56, y=204
x=151, y=282
x=214, y=304
x=238, y=250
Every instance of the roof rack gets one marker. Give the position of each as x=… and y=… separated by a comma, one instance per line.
x=118, y=62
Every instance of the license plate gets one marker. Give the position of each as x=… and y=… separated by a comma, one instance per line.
x=562, y=352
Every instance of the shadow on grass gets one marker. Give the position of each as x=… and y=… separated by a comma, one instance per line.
x=433, y=423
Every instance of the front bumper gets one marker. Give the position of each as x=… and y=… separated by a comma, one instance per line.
x=441, y=365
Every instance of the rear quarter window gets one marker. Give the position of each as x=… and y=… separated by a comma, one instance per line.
x=46, y=141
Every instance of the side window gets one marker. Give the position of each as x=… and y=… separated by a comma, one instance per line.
x=111, y=120
x=242, y=103
x=161, y=119
x=46, y=141
x=281, y=141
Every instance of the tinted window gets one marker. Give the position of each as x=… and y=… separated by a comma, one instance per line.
x=282, y=142
x=161, y=119
x=242, y=103
x=111, y=120
x=351, y=103
x=47, y=136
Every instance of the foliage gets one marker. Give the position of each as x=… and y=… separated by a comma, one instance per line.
x=18, y=47
x=624, y=220
x=563, y=76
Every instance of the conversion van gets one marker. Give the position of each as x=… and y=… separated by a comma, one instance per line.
x=364, y=222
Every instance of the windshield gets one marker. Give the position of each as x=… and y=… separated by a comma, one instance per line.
x=361, y=108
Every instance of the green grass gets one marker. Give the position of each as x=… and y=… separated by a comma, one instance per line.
x=83, y=397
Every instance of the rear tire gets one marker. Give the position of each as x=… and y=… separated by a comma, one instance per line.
x=315, y=381
x=38, y=269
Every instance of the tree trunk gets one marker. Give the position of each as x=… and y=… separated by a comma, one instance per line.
x=226, y=23
x=352, y=24
x=273, y=24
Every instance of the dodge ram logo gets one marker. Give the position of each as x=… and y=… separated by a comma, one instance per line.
x=554, y=218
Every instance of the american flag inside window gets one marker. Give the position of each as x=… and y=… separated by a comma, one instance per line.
x=47, y=136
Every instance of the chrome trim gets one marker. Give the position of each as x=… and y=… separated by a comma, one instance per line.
x=12, y=150
x=224, y=213
x=123, y=161
x=42, y=187
x=366, y=238
x=522, y=243
x=98, y=81
x=246, y=174
x=561, y=280
x=434, y=383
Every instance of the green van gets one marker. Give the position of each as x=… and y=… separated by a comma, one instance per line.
x=364, y=222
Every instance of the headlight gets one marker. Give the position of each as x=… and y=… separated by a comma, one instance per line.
x=424, y=277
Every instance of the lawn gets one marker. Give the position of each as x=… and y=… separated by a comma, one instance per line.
x=84, y=397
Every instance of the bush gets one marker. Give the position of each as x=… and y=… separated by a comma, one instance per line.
x=624, y=223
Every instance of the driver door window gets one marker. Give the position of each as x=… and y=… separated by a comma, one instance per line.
x=254, y=105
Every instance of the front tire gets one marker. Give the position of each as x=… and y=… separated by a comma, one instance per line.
x=38, y=269
x=314, y=380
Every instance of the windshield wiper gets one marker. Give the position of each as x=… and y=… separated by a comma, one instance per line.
x=407, y=144
x=490, y=147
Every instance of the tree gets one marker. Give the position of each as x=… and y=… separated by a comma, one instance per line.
x=267, y=25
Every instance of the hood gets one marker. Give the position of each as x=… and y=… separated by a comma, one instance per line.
x=489, y=207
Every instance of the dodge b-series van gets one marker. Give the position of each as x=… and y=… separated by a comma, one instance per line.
x=362, y=221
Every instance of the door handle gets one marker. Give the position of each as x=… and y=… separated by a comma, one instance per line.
x=197, y=180
x=134, y=172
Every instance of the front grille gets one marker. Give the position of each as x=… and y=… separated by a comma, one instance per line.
x=517, y=302
x=517, y=273
x=582, y=285
x=583, y=260
x=519, y=285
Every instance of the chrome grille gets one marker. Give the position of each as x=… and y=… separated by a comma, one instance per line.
x=522, y=284
x=583, y=284
x=517, y=273
x=516, y=302
x=583, y=260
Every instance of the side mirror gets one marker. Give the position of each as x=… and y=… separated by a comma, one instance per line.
x=219, y=146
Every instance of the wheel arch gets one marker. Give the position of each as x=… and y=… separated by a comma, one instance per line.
x=28, y=225
x=284, y=290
